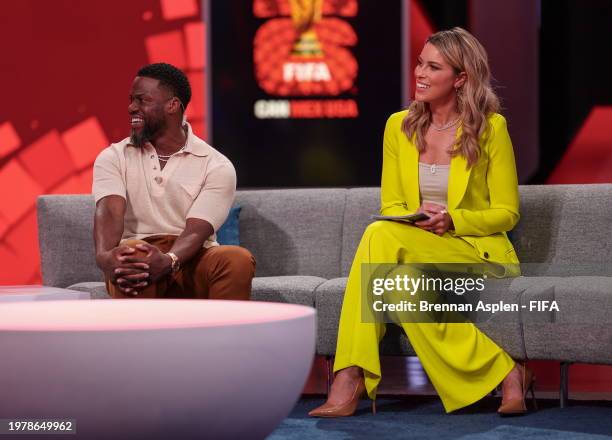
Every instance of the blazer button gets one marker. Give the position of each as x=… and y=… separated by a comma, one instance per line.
x=486, y=255
x=158, y=180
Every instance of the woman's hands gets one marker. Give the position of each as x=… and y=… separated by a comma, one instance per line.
x=439, y=220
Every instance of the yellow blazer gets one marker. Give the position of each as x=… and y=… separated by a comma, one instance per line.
x=483, y=200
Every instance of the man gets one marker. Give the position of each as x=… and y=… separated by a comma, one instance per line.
x=160, y=196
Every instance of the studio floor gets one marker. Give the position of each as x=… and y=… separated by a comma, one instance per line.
x=408, y=408
x=422, y=417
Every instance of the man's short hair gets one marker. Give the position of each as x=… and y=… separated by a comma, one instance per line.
x=170, y=77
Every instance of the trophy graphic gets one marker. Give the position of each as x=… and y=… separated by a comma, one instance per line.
x=304, y=48
x=305, y=13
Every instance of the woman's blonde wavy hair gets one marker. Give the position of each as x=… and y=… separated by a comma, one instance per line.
x=476, y=99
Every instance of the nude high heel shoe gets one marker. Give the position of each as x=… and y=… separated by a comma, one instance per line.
x=345, y=409
x=515, y=407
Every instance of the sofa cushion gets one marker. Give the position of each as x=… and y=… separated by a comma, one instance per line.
x=567, y=226
x=97, y=289
x=286, y=289
x=328, y=302
x=581, y=331
x=65, y=232
x=293, y=232
x=361, y=204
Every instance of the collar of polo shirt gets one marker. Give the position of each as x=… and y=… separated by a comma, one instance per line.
x=195, y=145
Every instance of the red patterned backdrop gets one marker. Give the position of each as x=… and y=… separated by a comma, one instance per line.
x=66, y=68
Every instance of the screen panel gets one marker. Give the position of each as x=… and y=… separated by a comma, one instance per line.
x=300, y=90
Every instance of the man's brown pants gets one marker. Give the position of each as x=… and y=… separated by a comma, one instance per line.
x=219, y=272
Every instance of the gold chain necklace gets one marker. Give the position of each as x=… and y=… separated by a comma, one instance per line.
x=445, y=126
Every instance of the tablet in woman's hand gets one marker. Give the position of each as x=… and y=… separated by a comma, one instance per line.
x=410, y=218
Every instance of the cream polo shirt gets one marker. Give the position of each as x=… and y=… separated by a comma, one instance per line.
x=198, y=182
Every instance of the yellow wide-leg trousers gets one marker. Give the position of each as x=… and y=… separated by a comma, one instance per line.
x=463, y=364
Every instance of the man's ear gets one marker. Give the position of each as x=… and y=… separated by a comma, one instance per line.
x=460, y=80
x=174, y=105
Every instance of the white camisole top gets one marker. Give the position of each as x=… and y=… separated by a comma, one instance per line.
x=433, y=183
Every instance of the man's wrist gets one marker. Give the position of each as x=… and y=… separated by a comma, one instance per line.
x=102, y=259
x=175, y=264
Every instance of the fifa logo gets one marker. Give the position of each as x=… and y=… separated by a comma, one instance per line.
x=303, y=48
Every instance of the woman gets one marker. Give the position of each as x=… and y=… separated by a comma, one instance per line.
x=449, y=156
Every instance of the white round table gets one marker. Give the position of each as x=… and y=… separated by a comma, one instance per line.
x=156, y=368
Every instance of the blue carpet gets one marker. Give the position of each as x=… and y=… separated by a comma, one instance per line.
x=424, y=418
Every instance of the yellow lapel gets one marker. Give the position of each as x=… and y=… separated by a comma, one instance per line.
x=411, y=175
x=459, y=176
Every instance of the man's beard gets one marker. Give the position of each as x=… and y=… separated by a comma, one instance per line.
x=149, y=130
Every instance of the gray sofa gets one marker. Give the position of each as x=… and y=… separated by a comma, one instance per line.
x=304, y=241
